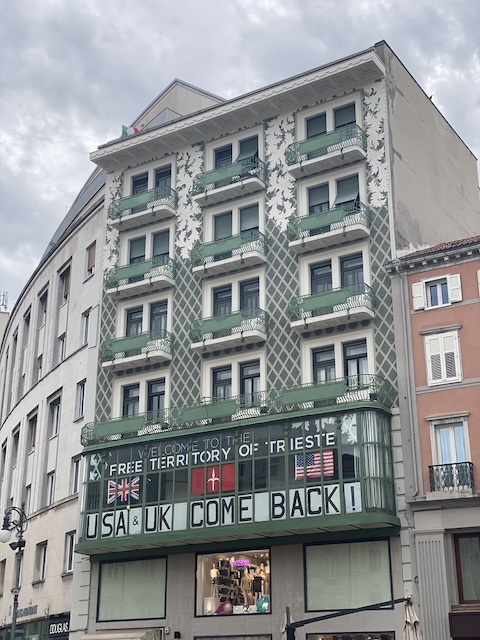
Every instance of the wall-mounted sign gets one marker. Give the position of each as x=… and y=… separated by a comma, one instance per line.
x=58, y=626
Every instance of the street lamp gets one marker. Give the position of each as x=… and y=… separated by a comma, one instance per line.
x=15, y=519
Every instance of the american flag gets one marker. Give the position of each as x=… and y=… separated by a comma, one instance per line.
x=314, y=465
x=123, y=489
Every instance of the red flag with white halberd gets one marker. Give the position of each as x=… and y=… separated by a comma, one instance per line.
x=213, y=479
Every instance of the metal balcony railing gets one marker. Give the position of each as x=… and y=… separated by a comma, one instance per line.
x=229, y=324
x=127, y=346
x=320, y=304
x=343, y=137
x=251, y=240
x=340, y=217
x=141, y=201
x=251, y=167
x=139, y=271
x=448, y=477
x=369, y=390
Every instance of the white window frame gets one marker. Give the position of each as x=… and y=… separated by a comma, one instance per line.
x=54, y=415
x=28, y=499
x=41, y=561
x=234, y=140
x=3, y=566
x=142, y=380
x=75, y=475
x=234, y=207
x=32, y=437
x=90, y=271
x=65, y=284
x=450, y=421
x=85, y=326
x=50, y=496
x=234, y=361
x=335, y=256
x=337, y=341
x=234, y=280
x=62, y=347
x=147, y=233
x=69, y=556
x=442, y=337
x=149, y=168
x=80, y=399
x=144, y=302
x=328, y=108
x=420, y=297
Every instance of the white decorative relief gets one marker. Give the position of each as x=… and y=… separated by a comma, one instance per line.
x=189, y=214
x=374, y=100
x=113, y=190
x=279, y=133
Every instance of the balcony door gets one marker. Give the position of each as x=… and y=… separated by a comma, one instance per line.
x=451, y=446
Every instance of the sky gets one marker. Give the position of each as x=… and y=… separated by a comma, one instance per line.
x=71, y=73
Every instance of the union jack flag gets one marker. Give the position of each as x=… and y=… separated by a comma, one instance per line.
x=121, y=490
x=314, y=465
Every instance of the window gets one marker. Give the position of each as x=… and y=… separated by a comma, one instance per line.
x=118, y=580
x=91, y=259
x=69, y=552
x=156, y=395
x=163, y=178
x=222, y=383
x=450, y=443
x=54, y=417
x=222, y=226
x=131, y=400
x=75, y=475
x=32, y=432
x=442, y=352
x=323, y=364
x=436, y=292
x=50, y=497
x=318, y=199
x=223, y=156
x=134, y=321
x=451, y=454
x=137, y=250
x=238, y=151
x=28, y=498
x=85, y=326
x=80, y=399
x=42, y=318
x=15, y=443
x=347, y=192
x=246, y=574
x=344, y=116
x=161, y=244
x=3, y=565
x=250, y=382
x=316, y=126
x=355, y=362
x=139, y=184
x=360, y=571
x=467, y=555
x=61, y=348
x=41, y=562
x=158, y=317
x=351, y=269
x=64, y=285
x=250, y=294
x=39, y=367
x=222, y=301
x=225, y=224
x=321, y=277
x=3, y=459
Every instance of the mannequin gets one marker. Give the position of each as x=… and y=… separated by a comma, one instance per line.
x=245, y=587
x=266, y=579
x=214, y=580
x=257, y=585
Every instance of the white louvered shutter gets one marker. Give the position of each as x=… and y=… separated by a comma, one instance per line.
x=451, y=356
x=478, y=280
x=434, y=359
x=454, y=288
x=418, y=296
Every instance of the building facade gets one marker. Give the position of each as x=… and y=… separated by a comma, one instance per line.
x=438, y=318
x=47, y=382
x=246, y=453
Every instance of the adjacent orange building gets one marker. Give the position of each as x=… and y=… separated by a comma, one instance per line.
x=437, y=322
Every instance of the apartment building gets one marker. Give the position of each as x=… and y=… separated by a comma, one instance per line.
x=437, y=318
x=246, y=453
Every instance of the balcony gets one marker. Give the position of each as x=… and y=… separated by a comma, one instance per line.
x=344, y=394
x=245, y=249
x=220, y=332
x=331, y=308
x=457, y=476
x=345, y=223
x=132, y=351
x=237, y=179
x=327, y=151
x=153, y=205
x=155, y=274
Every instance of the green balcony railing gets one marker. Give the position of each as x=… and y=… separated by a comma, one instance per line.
x=146, y=342
x=251, y=167
x=139, y=271
x=348, y=136
x=340, y=217
x=341, y=299
x=237, y=245
x=340, y=393
x=229, y=324
x=141, y=201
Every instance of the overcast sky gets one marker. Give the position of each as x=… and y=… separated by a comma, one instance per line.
x=71, y=73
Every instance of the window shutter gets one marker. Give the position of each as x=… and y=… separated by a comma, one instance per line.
x=418, y=296
x=434, y=359
x=454, y=288
x=478, y=279
x=449, y=353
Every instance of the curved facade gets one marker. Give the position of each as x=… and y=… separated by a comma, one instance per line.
x=48, y=365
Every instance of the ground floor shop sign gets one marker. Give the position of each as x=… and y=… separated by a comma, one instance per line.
x=304, y=470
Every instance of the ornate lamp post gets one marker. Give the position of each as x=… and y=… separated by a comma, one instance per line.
x=15, y=519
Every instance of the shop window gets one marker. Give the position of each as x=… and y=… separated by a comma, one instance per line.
x=467, y=555
x=119, y=580
x=357, y=574
x=366, y=635
x=233, y=583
